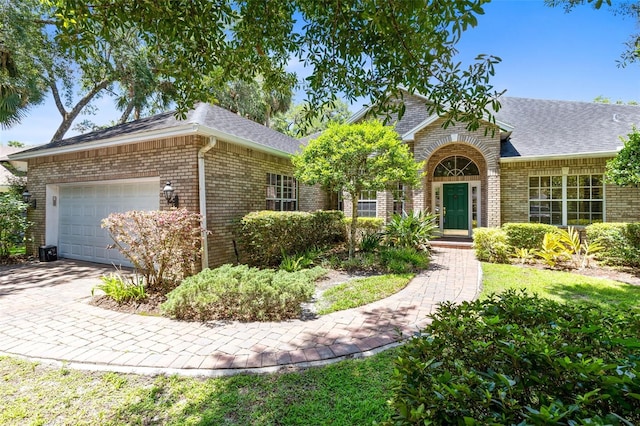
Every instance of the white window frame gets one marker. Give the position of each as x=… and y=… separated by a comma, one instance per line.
x=367, y=200
x=564, y=200
x=436, y=203
x=276, y=189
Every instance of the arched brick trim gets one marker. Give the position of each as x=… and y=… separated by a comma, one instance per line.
x=488, y=152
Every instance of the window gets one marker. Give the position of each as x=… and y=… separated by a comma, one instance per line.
x=282, y=193
x=456, y=166
x=367, y=204
x=398, y=200
x=566, y=200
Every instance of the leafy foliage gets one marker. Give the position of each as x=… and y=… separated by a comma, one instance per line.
x=412, y=231
x=402, y=260
x=624, y=169
x=266, y=236
x=490, y=245
x=526, y=235
x=13, y=223
x=298, y=262
x=241, y=293
x=520, y=359
x=368, y=50
x=119, y=289
x=553, y=250
x=163, y=246
x=620, y=242
x=370, y=242
x=302, y=120
x=354, y=158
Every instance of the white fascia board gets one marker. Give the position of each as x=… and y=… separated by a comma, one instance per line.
x=505, y=126
x=187, y=129
x=598, y=154
x=358, y=115
x=225, y=137
x=115, y=141
x=411, y=134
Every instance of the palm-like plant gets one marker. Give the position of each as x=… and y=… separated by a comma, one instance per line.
x=415, y=230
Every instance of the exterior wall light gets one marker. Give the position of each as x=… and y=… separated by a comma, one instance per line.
x=28, y=199
x=170, y=195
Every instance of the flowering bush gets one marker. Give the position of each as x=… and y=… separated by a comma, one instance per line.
x=164, y=246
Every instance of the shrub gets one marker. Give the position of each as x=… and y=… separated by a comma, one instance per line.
x=298, y=262
x=490, y=245
x=365, y=226
x=119, y=289
x=370, y=242
x=265, y=236
x=241, y=293
x=402, y=260
x=413, y=230
x=526, y=235
x=519, y=359
x=553, y=249
x=13, y=223
x=163, y=246
x=620, y=242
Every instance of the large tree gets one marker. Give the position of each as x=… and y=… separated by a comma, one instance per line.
x=352, y=158
x=624, y=169
x=302, y=120
x=365, y=48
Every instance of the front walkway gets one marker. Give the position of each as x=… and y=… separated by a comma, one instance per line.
x=44, y=315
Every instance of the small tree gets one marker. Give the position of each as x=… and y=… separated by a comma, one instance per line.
x=164, y=246
x=358, y=157
x=624, y=169
x=13, y=223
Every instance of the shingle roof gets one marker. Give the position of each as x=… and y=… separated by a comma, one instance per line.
x=551, y=127
x=205, y=115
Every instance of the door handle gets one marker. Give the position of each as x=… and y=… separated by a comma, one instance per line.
x=444, y=211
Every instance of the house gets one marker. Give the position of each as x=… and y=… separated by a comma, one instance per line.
x=544, y=163
x=10, y=169
x=218, y=163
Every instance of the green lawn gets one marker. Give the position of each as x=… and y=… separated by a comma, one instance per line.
x=560, y=286
x=352, y=392
x=362, y=291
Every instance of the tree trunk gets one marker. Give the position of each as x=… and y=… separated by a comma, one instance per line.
x=68, y=117
x=354, y=224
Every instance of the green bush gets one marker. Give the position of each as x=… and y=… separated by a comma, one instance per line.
x=241, y=293
x=620, y=242
x=402, y=260
x=490, y=245
x=119, y=289
x=370, y=243
x=519, y=359
x=526, y=235
x=265, y=236
x=13, y=223
x=413, y=230
x=365, y=225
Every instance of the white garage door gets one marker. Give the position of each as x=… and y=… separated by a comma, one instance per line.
x=82, y=208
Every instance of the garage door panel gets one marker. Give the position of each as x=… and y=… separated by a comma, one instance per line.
x=82, y=209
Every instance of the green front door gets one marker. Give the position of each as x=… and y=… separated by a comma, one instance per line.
x=455, y=198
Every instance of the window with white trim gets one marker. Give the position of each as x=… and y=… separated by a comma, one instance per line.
x=282, y=192
x=566, y=200
x=367, y=204
x=399, y=197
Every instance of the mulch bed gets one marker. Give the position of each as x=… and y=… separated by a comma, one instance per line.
x=148, y=306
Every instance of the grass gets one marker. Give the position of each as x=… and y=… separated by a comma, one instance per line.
x=347, y=393
x=361, y=291
x=560, y=286
x=17, y=250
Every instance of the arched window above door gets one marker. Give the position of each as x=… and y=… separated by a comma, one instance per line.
x=456, y=165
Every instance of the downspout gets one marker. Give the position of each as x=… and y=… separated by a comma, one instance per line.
x=203, y=198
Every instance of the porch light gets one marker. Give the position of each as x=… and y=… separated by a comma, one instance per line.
x=170, y=195
x=26, y=197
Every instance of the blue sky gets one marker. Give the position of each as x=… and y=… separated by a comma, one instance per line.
x=546, y=53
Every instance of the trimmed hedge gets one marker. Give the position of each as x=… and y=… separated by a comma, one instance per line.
x=265, y=235
x=490, y=245
x=520, y=359
x=620, y=242
x=526, y=235
x=242, y=293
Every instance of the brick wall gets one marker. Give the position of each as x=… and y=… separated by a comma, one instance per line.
x=621, y=204
x=236, y=185
x=169, y=159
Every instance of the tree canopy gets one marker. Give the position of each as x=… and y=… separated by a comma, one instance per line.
x=353, y=158
x=301, y=120
x=366, y=49
x=624, y=169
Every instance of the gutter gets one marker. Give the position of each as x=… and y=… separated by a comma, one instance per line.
x=203, y=198
x=551, y=157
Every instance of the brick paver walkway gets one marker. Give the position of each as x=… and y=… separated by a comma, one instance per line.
x=44, y=315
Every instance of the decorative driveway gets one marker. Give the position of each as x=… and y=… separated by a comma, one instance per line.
x=45, y=316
